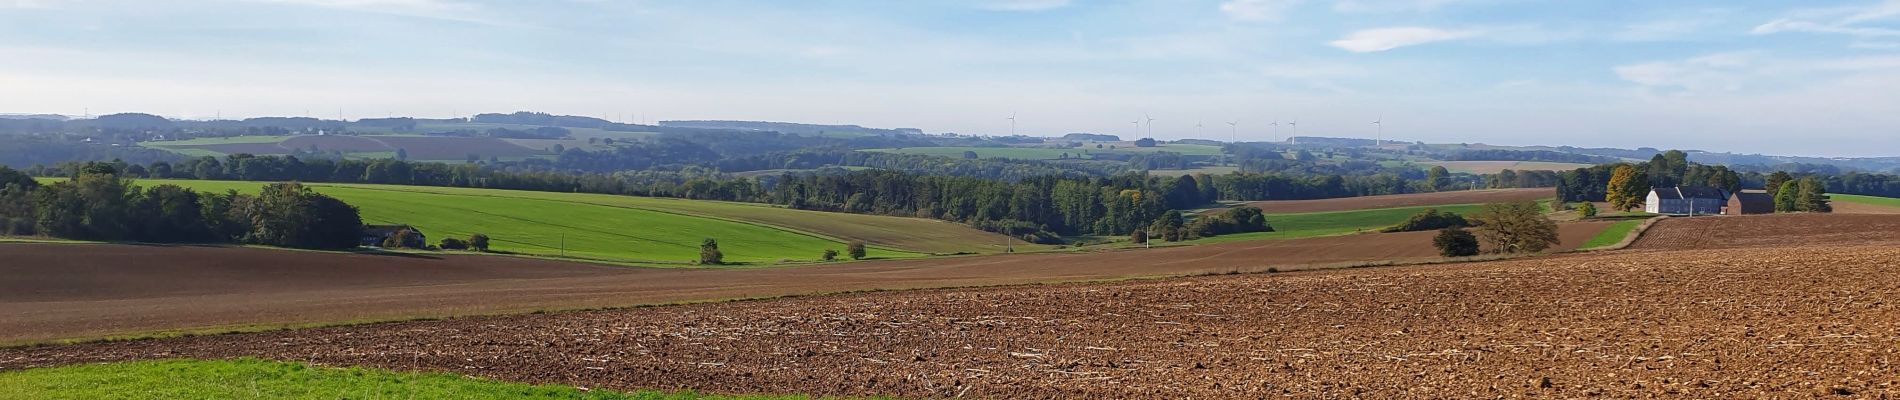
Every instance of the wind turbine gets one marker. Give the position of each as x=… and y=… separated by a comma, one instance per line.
x=1233, y=130
x=1197, y=128
x=1380, y=136
x=1151, y=125
x=1275, y=128
x=1012, y=123
x=1294, y=127
x=1138, y=126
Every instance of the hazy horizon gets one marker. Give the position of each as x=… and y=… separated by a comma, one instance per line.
x=1781, y=78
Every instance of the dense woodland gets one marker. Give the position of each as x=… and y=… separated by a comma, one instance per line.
x=99, y=203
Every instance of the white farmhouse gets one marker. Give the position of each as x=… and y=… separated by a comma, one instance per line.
x=1686, y=200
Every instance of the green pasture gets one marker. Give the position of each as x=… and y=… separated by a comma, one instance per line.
x=1870, y=200
x=544, y=223
x=1303, y=225
x=1612, y=235
x=257, y=379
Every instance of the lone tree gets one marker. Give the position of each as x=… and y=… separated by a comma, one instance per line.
x=1139, y=237
x=1627, y=188
x=830, y=255
x=1456, y=242
x=478, y=241
x=1587, y=209
x=709, y=253
x=1516, y=227
x=855, y=250
x=969, y=155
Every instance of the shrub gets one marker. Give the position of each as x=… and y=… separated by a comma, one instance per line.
x=1139, y=237
x=855, y=250
x=830, y=255
x=1455, y=242
x=478, y=242
x=1235, y=220
x=1587, y=209
x=1519, y=227
x=709, y=253
x=454, y=244
x=402, y=238
x=1429, y=220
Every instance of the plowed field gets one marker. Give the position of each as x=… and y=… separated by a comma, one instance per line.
x=1717, y=232
x=73, y=291
x=1788, y=322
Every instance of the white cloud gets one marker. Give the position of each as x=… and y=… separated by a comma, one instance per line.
x=1382, y=39
x=1258, y=10
x=1372, y=6
x=448, y=10
x=1739, y=71
x=1024, y=5
x=1841, y=21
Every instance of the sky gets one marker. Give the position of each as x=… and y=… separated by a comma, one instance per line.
x=1818, y=78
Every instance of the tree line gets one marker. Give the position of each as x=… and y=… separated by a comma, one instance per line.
x=98, y=203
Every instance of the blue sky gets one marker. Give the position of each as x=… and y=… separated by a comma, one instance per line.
x=1808, y=78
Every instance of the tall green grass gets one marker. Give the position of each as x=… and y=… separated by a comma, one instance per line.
x=256, y=379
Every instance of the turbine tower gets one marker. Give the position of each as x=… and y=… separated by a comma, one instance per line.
x=1275, y=128
x=1380, y=136
x=1012, y=123
x=1137, y=127
x=1233, y=130
x=1197, y=128
x=1151, y=125
x=1294, y=130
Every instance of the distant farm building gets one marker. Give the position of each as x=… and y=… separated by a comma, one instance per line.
x=1749, y=202
x=1686, y=200
x=376, y=235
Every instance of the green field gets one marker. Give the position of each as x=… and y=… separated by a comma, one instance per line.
x=1612, y=235
x=636, y=229
x=520, y=222
x=1301, y=225
x=1049, y=153
x=1870, y=200
x=256, y=379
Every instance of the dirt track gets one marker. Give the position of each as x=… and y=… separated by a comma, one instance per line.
x=77, y=291
x=1776, y=322
x=1402, y=200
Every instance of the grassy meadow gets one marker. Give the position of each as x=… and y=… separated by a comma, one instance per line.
x=1613, y=234
x=637, y=229
x=1869, y=200
x=1301, y=225
x=521, y=222
x=256, y=379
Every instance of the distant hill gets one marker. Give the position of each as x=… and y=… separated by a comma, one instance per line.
x=54, y=117
x=792, y=128
x=1091, y=137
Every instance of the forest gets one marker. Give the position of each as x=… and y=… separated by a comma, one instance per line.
x=98, y=203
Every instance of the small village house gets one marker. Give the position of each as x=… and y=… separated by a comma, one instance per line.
x=1686, y=200
x=1748, y=202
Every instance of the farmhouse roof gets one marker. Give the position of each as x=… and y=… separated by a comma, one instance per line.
x=1690, y=192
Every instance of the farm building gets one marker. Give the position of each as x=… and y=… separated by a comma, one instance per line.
x=1749, y=202
x=1686, y=200
x=375, y=235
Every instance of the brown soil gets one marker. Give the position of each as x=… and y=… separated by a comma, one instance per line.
x=1718, y=232
x=76, y=291
x=1402, y=200
x=1789, y=322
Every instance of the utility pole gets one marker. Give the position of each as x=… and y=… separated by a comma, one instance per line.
x=563, y=245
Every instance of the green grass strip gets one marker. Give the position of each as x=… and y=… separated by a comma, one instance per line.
x=1612, y=234
x=257, y=379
